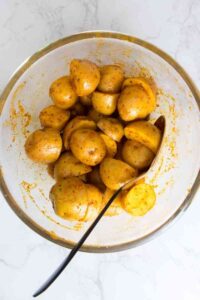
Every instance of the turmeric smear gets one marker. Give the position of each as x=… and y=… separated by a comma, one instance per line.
x=168, y=183
x=27, y=187
x=19, y=119
x=25, y=119
x=43, y=194
x=78, y=226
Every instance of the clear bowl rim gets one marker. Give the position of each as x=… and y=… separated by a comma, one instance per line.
x=18, y=73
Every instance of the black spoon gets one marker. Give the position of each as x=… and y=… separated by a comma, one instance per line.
x=160, y=123
x=74, y=250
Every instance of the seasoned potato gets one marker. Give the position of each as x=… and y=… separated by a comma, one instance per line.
x=111, y=80
x=115, y=173
x=77, y=110
x=134, y=103
x=88, y=146
x=111, y=127
x=70, y=199
x=44, y=145
x=104, y=103
x=54, y=117
x=145, y=133
x=85, y=76
x=142, y=82
x=139, y=200
x=116, y=207
x=137, y=155
x=86, y=100
x=111, y=145
x=95, y=178
x=74, y=124
x=94, y=115
x=62, y=93
x=94, y=202
x=50, y=169
x=68, y=165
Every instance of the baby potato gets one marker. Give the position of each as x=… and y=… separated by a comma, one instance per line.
x=135, y=103
x=68, y=165
x=74, y=124
x=137, y=155
x=44, y=145
x=54, y=117
x=86, y=100
x=94, y=115
x=77, y=110
x=142, y=82
x=88, y=146
x=85, y=76
x=94, y=202
x=111, y=127
x=116, y=207
x=104, y=103
x=145, y=133
x=70, y=199
x=111, y=80
x=115, y=173
x=111, y=145
x=62, y=93
x=139, y=200
x=50, y=169
x=95, y=178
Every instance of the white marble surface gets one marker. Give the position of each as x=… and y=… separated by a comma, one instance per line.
x=169, y=266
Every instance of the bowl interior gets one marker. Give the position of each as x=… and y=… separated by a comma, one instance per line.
x=28, y=184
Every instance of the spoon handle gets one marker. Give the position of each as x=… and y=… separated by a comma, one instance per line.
x=74, y=250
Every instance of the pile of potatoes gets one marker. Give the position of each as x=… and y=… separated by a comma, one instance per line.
x=95, y=139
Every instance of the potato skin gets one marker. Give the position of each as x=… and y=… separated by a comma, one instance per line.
x=62, y=93
x=74, y=124
x=68, y=165
x=94, y=202
x=145, y=133
x=44, y=145
x=111, y=145
x=116, y=207
x=111, y=80
x=54, y=117
x=111, y=127
x=142, y=82
x=104, y=103
x=137, y=155
x=70, y=199
x=134, y=103
x=50, y=169
x=88, y=146
x=139, y=200
x=115, y=173
x=85, y=76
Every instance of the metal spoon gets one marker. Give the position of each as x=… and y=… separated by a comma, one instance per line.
x=74, y=250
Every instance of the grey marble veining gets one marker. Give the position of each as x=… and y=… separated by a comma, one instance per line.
x=167, y=267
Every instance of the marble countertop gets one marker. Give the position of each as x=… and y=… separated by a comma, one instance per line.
x=168, y=267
